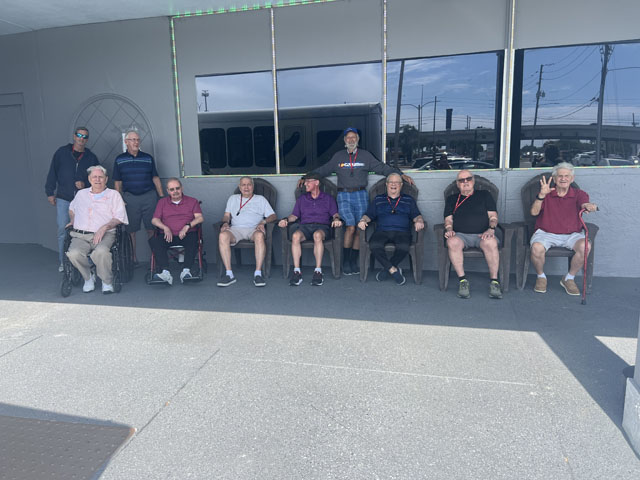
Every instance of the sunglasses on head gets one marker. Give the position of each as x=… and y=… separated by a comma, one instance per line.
x=82, y=135
x=464, y=180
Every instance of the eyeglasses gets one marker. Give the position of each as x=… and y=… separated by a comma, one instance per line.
x=394, y=183
x=82, y=135
x=131, y=139
x=174, y=189
x=464, y=180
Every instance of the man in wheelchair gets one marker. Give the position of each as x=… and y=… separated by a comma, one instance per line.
x=95, y=213
x=176, y=216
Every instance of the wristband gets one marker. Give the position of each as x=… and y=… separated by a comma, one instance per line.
x=538, y=197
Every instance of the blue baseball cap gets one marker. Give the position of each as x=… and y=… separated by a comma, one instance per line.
x=350, y=129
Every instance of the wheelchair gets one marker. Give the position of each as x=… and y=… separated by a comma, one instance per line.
x=176, y=253
x=122, y=265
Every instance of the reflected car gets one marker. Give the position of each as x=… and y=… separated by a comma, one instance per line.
x=615, y=162
x=461, y=165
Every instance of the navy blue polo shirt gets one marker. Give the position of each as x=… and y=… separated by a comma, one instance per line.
x=405, y=208
x=135, y=173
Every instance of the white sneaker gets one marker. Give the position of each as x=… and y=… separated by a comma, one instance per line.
x=185, y=275
x=165, y=275
x=107, y=288
x=89, y=285
x=61, y=268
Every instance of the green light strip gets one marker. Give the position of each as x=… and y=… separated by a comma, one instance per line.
x=176, y=90
x=384, y=81
x=246, y=7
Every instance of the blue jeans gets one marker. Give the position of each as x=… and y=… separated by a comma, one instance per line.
x=62, y=208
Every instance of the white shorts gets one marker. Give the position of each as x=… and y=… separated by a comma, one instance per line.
x=549, y=240
x=241, y=233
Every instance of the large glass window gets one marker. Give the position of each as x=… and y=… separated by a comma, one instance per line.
x=235, y=122
x=447, y=113
x=316, y=104
x=578, y=104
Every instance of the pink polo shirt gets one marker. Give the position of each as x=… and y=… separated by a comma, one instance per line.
x=92, y=210
x=559, y=215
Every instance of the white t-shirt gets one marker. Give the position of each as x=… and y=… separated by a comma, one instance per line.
x=252, y=212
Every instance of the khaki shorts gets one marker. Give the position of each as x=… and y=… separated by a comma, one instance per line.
x=549, y=240
x=241, y=233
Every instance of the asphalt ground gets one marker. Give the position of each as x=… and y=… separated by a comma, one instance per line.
x=342, y=381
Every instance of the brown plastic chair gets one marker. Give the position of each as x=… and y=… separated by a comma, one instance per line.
x=528, y=194
x=444, y=263
x=333, y=245
x=416, y=248
x=264, y=188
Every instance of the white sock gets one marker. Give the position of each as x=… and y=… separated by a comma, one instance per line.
x=230, y=273
x=186, y=270
x=318, y=270
x=296, y=269
x=568, y=276
x=542, y=275
x=257, y=272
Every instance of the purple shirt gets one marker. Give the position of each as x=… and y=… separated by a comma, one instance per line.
x=176, y=215
x=559, y=215
x=315, y=210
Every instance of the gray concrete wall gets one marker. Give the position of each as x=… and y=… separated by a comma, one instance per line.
x=57, y=70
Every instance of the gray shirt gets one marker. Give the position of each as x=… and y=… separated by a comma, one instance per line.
x=353, y=172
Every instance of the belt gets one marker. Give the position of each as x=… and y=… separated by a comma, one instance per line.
x=83, y=232
x=357, y=189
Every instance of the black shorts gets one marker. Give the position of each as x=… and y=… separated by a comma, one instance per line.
x=307, y=229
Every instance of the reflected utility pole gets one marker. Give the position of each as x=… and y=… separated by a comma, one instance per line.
x=605, y=50
x=539, y=94
x=396, y=138
x=205, y=94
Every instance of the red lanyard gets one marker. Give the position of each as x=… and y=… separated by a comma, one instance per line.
x=351, y=162
x=245, y=204
x=458, y=202
x=393, y=209
x=79, y=157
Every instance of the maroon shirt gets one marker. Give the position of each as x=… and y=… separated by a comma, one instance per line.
x=176, y=216
x=560, y=215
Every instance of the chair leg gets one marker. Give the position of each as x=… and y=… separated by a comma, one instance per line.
x=525, y=272
x=445, y=274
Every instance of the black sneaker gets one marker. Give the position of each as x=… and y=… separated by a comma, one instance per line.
x=296, y=279
x=258, y=281
x=398, y=277
x=355, y=267
x=317, y=279
x=226, y=280
x=346, y=268
x=383, y=275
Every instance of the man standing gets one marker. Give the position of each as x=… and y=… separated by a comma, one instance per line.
x=245, y=217
x=352, y=167
x=394, y=212
x=177, y=216
x=136, y=178
x=318, y=212
x=558, y=224
x=470, y=221
x=67, y=175
x=95, y=213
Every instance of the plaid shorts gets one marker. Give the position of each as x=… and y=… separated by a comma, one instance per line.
x=352, y=206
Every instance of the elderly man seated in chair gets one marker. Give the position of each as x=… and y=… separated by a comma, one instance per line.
x=558, y=224
x=318, y=213
x=244, y=218
x=177, y=215
x=470, y=221
x=394, y=212
x=95, y=212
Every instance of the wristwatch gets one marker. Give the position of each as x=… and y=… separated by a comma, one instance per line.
x=492, y=228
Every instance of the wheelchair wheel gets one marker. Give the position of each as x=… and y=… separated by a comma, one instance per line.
x=65, y=287
x=147, y=278
x=117, y=282
x=205, y=266
x=76, y=278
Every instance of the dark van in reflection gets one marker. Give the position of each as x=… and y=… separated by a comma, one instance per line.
x=243, y=142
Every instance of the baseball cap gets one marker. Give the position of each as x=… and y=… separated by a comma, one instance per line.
x=350, y=129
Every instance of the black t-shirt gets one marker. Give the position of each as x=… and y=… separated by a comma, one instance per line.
x=471, y=215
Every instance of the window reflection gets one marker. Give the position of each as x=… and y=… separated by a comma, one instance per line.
x=448, y=112
x=235, y=122
x=564, y=117
x=317, y=104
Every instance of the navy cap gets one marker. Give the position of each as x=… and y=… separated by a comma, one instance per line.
x=350, y=129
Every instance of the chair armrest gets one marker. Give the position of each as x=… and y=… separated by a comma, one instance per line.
x=216, y=229
x=508, y=231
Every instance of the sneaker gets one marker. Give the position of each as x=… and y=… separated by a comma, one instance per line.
x=494, y=289
x=383, y=275
x=164, y=276
x=346, y=268
x=61, y=268
x=296, y=279
x=398, y=277
x=541, y=285
x=317, y=279
x=185, y=275
x=258, y=281
x=226, y=280
x=89, y=285
x=570, y=286
x=355, y=267
x=463, y=289
x=107, y=288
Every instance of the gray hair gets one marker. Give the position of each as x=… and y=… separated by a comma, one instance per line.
x=131, y=130
x=394, y=174
x=174, y=179
x=97, y=167
x=247, y=177
x=562, y=166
